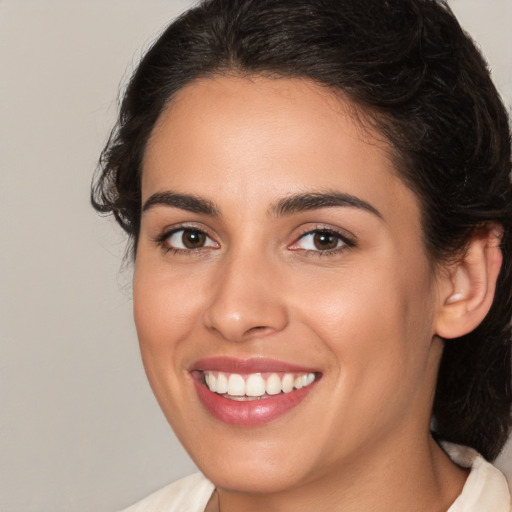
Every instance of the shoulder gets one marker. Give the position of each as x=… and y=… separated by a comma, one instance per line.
x=486, y=488
x=190, y=493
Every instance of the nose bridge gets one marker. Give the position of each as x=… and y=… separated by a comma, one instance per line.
x=245, y=299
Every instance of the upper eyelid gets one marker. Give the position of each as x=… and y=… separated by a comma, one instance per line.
x=163, y=243
x=342, y=233
x=174, y=228
x=169, y=231
x=347, y=244
x=346, y=236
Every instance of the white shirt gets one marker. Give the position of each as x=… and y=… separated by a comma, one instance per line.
x=485, y=490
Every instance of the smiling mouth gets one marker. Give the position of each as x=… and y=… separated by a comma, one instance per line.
x=251, y=392
x=255, y=386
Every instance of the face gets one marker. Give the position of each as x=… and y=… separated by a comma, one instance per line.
x=283, y=299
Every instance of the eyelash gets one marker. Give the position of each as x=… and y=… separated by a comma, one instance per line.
x=347, y=243
x=162, y=240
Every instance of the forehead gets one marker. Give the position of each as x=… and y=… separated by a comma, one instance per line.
x=256, y=107
x=260, y=138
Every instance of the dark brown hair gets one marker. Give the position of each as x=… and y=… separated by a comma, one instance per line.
x=418, y=76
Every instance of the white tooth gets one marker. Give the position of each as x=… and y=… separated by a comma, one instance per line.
x=310, y=379
x=255, y=385
x=212, y=382
x=287, y=383
x=222, y=384
x=207, y=379
x=273, y=384
x=299, y=382
x=236, y=385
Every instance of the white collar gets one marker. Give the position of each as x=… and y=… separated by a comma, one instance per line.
x=486, y=488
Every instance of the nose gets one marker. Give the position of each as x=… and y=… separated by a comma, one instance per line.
x=247, y=300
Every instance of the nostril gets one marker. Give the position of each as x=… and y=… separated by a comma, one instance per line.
x=258, y=329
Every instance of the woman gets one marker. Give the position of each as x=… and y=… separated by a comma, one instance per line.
x=318, y=195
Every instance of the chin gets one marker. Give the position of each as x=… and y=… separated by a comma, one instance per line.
x=266, y=465
x=253, y=477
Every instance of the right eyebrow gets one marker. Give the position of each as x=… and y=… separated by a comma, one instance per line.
x=188, y=202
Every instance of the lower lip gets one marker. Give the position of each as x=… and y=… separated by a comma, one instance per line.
x=249, y=413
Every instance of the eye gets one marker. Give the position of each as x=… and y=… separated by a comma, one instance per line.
x=321, y=240
x=186, y=239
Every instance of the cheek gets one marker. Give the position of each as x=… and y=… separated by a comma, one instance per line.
x=375, y=322
x=362, y=329
x=379, y=342
x=164, y=305
x=164, y=316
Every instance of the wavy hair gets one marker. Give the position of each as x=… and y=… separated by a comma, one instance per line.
x=419, y=78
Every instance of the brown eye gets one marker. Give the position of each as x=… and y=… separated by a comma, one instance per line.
x=193, y=239
x=325, y=240
x=189, y=239
x=320, y=241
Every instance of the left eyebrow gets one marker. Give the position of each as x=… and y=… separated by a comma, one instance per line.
x=313, y=201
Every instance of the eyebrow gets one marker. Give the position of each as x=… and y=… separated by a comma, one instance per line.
x=288, y=205
x=314, y=201
x=186, y=202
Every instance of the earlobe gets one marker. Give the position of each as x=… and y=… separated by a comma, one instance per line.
x=469, y=284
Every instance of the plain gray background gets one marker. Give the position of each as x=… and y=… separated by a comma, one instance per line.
x=79, y=428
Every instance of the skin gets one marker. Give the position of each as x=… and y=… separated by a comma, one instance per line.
x=364, y=314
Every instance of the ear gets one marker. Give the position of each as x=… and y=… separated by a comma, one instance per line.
x=467, y=287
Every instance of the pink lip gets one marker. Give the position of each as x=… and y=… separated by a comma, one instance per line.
x=254, y=365
x=254, y=412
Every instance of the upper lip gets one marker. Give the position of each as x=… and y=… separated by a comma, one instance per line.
x=251, y=365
